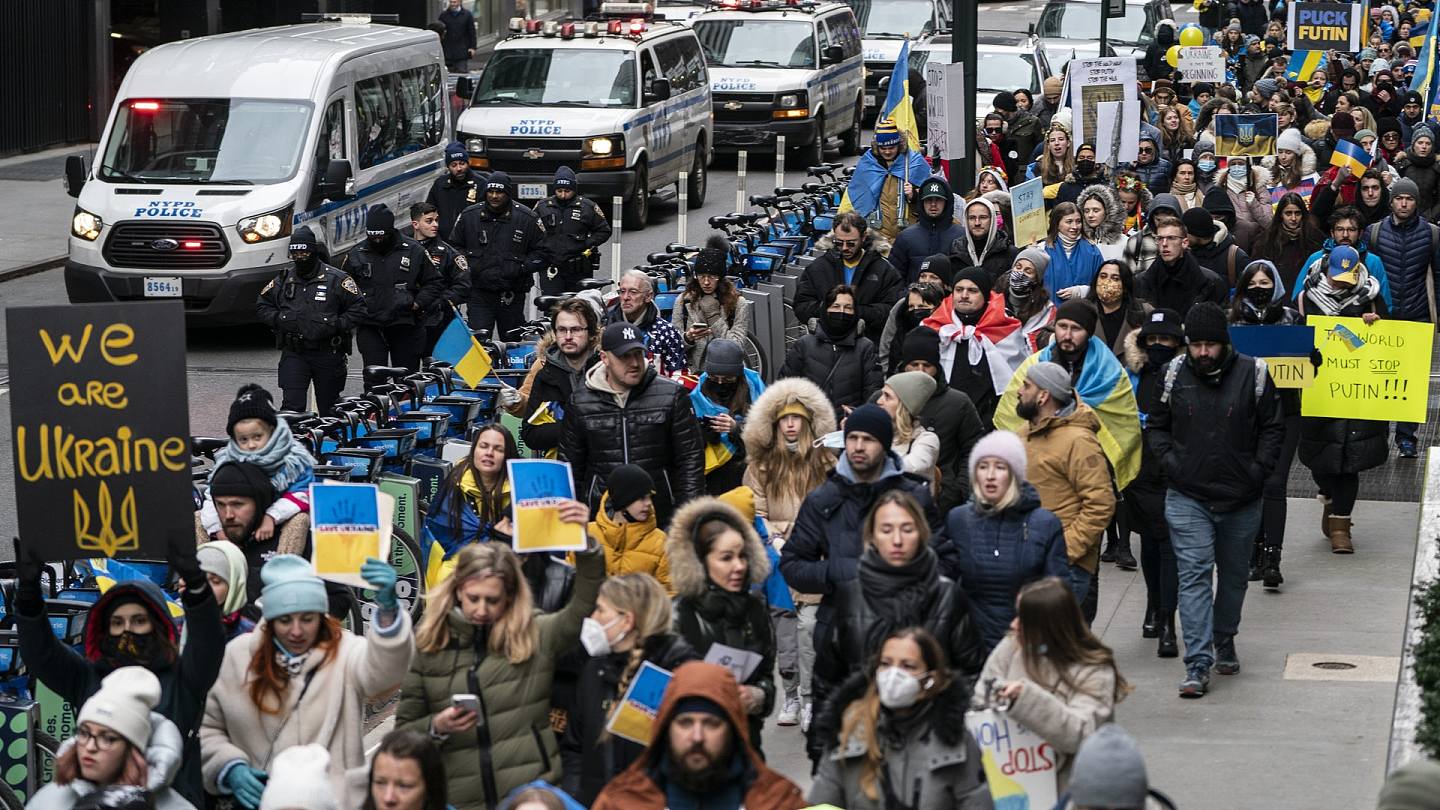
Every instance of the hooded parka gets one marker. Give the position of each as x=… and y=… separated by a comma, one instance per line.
x=1110, y=235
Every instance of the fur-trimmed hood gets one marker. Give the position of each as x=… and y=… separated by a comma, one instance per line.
x=1133, y=353
x=1307, y=162
x=759, y=431
x=873, y=241
x=947, y=713
x=1112, y=230
x=687, y=570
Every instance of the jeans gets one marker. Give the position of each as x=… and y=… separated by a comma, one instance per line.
x=1206, y=542
x=1086, y=588
x=1405, y=430
x=787, y=648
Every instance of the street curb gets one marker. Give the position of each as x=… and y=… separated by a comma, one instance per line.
x=31, y=268
x=1406, y=717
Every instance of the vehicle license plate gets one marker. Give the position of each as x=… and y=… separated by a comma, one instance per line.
x=532, y=191
x=162, y=287
x=869, y=99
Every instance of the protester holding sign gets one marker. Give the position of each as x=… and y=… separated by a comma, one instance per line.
x=473, y=504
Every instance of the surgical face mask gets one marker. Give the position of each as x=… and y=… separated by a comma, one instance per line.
x=1205, y=165
x=898, y=689
x=593, y=636
x=1238, y=170
x=834, y=440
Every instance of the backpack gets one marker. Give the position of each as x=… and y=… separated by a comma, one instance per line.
x=1172, y=370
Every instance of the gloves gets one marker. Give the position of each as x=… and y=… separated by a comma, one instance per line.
x=247, y=784
x=382, y=579
x=1051, y=191
x=28, y=590
x=509, y=397
x=184, y=561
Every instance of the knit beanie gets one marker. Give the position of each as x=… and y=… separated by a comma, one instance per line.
x=291, y=586
x=940, y=265
x=978, y=276
x=872, y=419
x=1005, y=101
x=627, y=484
x=1361, y=135
x=1054, y=84
x=1342, y=125
x=725, y=358
x=123, y=704
x=565, y=178
x=913, y=388
x=299, y=780
x=1290, y=140
x=1413, y=787
x=455, y=151
x=1206, y=321
x=1109, y=771
x=379, y=221
x=242, y=480
x=1199, y=222
x=1404, y=186
x=714, y=258
x=1004, y=445
x=225, y=560
x=1037, y=257
x=252, y=402
x=1054, y=380
x=1421, y=131
x=1266, y=88
x=1078, y=311
x=921, y=343
x=887, y=134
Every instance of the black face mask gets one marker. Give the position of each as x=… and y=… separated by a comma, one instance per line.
x=838, y=324
x=137, y=649
x=723, y=392
x=381, y=242
x=1158, y=354
x=305, y=264
x=1084, y=168
x=1259, y=297
x=914, y=316
x=1021, y=285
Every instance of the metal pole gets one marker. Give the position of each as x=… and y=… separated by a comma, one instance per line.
x=740, y=176
x=779, y=161
x=1104, y=24
x=617, y=216
x=965, y=13
x=684, y=205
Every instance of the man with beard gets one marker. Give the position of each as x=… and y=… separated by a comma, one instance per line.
x=130, y=625
x=983, y=243
x=980, y=345
x=564, y=356
x=700, y=755
x=1175, y=280
x=856, y=262
x=932, y=234
x=457, y=189
x=1216, y=430
x=1346, y=229
x=400, y=283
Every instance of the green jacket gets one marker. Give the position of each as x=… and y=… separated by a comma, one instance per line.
x=514, y=698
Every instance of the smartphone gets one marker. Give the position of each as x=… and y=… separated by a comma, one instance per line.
x=700, y=325
x=469, y=703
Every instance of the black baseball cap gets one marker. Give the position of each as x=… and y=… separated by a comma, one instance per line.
x=622, y=338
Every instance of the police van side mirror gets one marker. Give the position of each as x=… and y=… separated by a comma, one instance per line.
x=75, y=172
x=339, y=181
x=659, y=90
x=832, y=55
x=464, y=88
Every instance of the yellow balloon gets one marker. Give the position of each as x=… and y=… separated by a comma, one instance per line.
x=1192, y=37
x=1172, y=56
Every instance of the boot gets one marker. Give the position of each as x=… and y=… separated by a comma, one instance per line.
x=1339, y=533
x=1108, y=555
x=1257, y=561
x=1271, y=572
x=1324, y=515
x=1124, y=558
x=1151, y=626
x=1168, y=646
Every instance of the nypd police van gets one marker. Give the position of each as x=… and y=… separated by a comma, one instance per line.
x=624, y=101
x=217, y=148
x=784, y=67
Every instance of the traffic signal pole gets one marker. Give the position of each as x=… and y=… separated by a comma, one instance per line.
x=963, y=51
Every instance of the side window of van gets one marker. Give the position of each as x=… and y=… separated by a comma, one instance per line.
x=682, y=66
x=845, y=33
x=399, y=113
x=331, y=143
x=648, y=72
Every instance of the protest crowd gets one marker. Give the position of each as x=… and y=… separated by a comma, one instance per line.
x=899, y=539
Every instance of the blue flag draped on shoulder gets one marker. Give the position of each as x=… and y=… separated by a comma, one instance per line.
x=1252, y=135
x=897, y=106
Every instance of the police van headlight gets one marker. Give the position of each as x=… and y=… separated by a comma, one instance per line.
x=603, y=146
x=86, y=225
x=474, y=144
x=792, y=105
x=265, y=226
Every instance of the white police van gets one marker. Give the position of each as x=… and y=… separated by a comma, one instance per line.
x=784, y=67
x=624, y=101
x=218, y=147
x=884, y=27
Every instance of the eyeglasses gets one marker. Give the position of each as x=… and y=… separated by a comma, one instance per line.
x=628, y=292
x=570, y=330
x=1169, y=239
x=846, y=242
x=103, y=740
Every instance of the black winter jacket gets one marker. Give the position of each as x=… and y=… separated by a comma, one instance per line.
x=926, y=237
x=1215, y=257
x=451, y=196
x=877, y=288
x=318, y=313
x=571, y=228
x=952, y=416
x=1216, y=440
x=504, y=249
x=1336, y=446
x=454, y=272
x=1179, y=287
x=846, y=369
x=554, y=381
x=399, y=283
x=1426, y=174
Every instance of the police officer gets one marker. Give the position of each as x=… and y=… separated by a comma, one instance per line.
x=313, y=309
x=575, y=228
x=505, y=246
x=425, y=225
x=399, y=283
x=457, y=189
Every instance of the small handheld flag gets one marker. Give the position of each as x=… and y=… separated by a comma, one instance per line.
x=1350, y=155
x=1302, y=64
x=463, y=352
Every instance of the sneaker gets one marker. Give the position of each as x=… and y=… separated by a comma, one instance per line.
x=1407, y=448
x=789, y=713
x=1226, y=661
x=806, y=715
x=1196, y=683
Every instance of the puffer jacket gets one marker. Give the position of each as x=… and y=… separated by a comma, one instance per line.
x=877, y=285
x=631, y=548
x=845, y=368
x=1410, y=252
x=1156, y=173
x=1222, y=256
x=551, y=380
x=655, y=428
x=162, y=755
x=1426, y=174
x=513, y=743
x=1334, y=446
x=926, y=237
x=1110, y=236
x=996, y=255
x=937, y=767
x=1067, y=467
x=706, y=614
x=760, y=434
x=590, y=762
x=995, y=553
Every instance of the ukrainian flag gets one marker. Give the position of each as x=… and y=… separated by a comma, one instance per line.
x=1424, y=79
x=897, y=106
x=549, y=413
x=1105, y=387
x=1351, y=155
x=1302, y=64
x=463, y=352
x=1251, y=135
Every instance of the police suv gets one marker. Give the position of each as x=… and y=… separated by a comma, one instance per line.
x=625, y=101
x=784, y=67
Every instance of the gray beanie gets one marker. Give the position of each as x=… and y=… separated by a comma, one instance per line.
x=1054, y=379
x=724, y=358
x=1108, y=771
x=1405, y=186
x=1037, y=257
x=914, y=388
x=1421, y=131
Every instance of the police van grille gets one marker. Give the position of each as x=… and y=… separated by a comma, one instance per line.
x=543, y=144
x=756, y=108
x=143, y=245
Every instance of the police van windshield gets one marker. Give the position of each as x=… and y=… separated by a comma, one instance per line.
x=564, y=77
x=757, y=43
x=210, y=140
x=894, y=19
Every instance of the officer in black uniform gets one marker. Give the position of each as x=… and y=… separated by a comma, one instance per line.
x=505, y=246
x=313, y=309
x=457, y=189
x=399, y=282
x=425, y=225
x=575, y=228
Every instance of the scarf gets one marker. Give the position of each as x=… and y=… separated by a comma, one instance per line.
x=719, y=606
x=1177, y=187
x=898, y=594
x=489, y=504
x=1067, y=243
x=282, y=458
x=1238, y=185
x=292, y=664
x=991, y=333
x=1332, y=299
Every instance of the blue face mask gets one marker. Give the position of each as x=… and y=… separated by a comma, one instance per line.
x=1206, y=165
x=1238, y=170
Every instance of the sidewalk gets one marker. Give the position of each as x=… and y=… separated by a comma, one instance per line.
x=35, y=208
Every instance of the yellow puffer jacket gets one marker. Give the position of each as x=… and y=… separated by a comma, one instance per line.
x=632, y=548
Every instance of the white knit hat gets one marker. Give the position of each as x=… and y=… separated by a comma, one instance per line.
x=1004, y=445
x=299, y=780
x=123, y=704
x=1290, y=140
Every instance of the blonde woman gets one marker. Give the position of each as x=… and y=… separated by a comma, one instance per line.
x=904, y=396
x=482, y=637
x=1058, y=159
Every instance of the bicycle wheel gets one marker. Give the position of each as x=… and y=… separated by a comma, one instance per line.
x=754, y=355
x=410, y=581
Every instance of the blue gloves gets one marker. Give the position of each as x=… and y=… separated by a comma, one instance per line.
x=382, y=579
x=247, y=784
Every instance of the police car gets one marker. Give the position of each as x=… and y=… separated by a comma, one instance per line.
x=884, y=27
x=784, y=67
x=1003, y=62
x=625, y=101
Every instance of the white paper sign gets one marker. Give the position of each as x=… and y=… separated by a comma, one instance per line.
x=945, y=110
x=1020, y=766
x=741, y=663
x=1202, y=63
x=1127, y=147
x=1094, y=81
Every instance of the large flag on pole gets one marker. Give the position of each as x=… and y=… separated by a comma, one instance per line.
x=1423, y=82
x=897, y=106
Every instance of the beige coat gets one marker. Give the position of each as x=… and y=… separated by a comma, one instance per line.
x=1067, y=467
x=331, y=714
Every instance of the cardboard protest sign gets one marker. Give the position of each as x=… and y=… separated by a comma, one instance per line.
x=1202, y=63
x=1020, y=766
x=100, y=429
x=1285, y=350
x=1379, y=372
x=945, y=106
x=537, y=486
x=1093, y=81
x=634, y=715
x=348, y=524
x=1325, y=27
x=1027, y=212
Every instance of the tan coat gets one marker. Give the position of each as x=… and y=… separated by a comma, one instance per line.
x=1068, y=468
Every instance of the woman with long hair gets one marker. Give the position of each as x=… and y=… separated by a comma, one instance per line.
x=1057, y=160
x=481, y=637
x=711, y=308
x=1177, y=133
x=629, y=626
x=407, y=773
x=890, y=724
x=1113, y=294
x=300, y=678
x=904, y=396
x=1073, y=258
x=1291, y=238
x=473, y=504
x=1027, y=299
x=1061, y=681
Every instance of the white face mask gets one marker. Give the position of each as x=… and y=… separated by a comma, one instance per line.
x=593, y=636
x=898, y=689
x=834, y=440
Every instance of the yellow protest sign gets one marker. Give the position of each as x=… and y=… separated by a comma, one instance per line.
x=1291, y=372
x=1379, y=372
